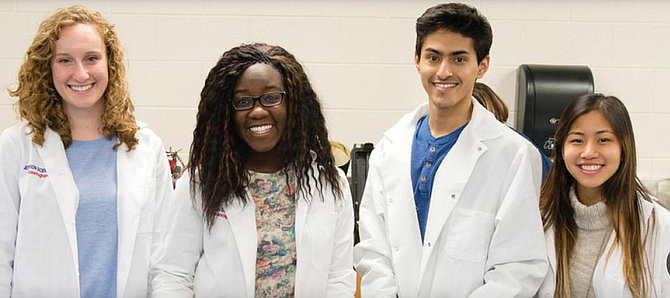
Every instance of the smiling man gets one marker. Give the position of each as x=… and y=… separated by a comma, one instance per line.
x=450, y=208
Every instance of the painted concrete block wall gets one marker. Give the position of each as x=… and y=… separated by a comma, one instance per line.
x=359, y=56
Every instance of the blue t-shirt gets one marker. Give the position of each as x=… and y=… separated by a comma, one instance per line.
x=93, y=165
x=427, y=155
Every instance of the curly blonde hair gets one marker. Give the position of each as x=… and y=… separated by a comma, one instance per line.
x=40, y=104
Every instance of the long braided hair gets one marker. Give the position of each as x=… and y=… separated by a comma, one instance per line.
x=217, y=153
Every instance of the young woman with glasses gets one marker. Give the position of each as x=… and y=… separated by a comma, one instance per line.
x=264, y=210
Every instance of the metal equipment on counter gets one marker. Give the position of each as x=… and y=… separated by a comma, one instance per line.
x=177, y=166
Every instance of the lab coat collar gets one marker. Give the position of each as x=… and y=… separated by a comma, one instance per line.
x=647, y=208
x=479, y=125
x=141, y=124
x=242, y=219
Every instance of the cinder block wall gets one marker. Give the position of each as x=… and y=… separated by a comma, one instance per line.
x=359, y=56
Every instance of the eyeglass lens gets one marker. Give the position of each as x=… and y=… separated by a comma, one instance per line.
x=269, y=99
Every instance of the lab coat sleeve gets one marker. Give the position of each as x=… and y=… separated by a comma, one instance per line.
x=517, y=261
x=663, y=228
x=372, y=255
x=174, y=270
x=341, y=276
x=165, y=210
x=9, y=209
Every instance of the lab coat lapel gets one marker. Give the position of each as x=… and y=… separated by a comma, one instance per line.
x=453, y=175
x=130, y=200
x=647, y=210
x=64, y=187
x=551, y=250
x=403, y=222
x=302, y=204
x=401, y=218
x=243, y=224
x=450, y=179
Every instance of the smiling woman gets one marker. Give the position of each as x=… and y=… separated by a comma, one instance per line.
x=592, y=154
x=261, y=126
x=605, y=233
x=79, y=70
x=83, y=186
x=265, y=212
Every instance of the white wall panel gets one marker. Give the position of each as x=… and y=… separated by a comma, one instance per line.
x=359, y=55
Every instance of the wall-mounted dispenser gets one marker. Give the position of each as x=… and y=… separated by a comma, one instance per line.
x=543, y=92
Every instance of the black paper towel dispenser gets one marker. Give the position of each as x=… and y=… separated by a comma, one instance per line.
x=543, y=92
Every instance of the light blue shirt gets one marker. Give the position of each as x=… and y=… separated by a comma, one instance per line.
x=93, y=165
x=427, y=155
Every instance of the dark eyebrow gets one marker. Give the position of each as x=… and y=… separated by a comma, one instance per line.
x=452, y=53
x=604, y=131
x=597, y=132
x=456, y=53
x=433, y=51
x=266, y=89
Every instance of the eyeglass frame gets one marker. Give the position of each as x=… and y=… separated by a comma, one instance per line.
x=258, y=99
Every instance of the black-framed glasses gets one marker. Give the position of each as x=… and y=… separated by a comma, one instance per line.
x=267, y=100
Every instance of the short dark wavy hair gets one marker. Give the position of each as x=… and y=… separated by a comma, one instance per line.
x=459, y=18
x=218, y=153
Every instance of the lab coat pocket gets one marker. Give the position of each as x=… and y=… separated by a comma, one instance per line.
x=321, y=239
x=148, y=206
x=469, y=234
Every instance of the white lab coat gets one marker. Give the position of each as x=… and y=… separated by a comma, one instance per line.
x=222, y=262
x=608, y=279
x=484, y=233
x=38, y=204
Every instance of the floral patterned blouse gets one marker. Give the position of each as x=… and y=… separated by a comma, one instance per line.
x=274, y=197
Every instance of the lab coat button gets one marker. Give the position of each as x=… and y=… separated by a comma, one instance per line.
x=429, y=244
x=453, y=196
x=479, y=148
x=390, y=200
x=396, y=248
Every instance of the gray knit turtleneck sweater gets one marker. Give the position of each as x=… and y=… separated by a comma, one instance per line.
x=592, y=226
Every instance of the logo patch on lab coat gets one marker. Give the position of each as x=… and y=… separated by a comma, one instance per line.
x=36, y=171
